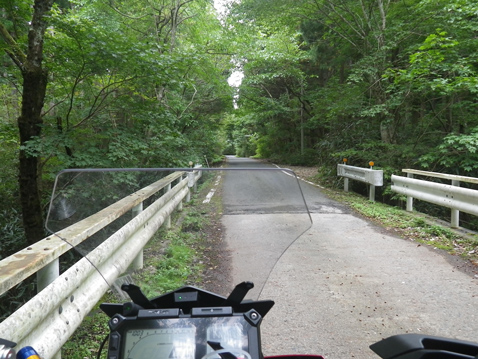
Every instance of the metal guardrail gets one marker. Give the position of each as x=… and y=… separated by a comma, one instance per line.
x=51, y=317
x=367, y=175
x=450, y=196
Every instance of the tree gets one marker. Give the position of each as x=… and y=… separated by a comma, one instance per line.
x=35, y=79
x=272, y=93
x=384, y=80
x=137, y=85
x=159, y=81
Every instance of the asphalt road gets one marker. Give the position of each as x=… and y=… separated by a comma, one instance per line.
x=263, y=213
x=345, y=283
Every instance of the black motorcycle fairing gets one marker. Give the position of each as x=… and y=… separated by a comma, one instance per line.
x=189, y=297
x=416, y=346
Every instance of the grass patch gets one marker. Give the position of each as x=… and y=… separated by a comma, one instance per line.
x=176, y=266
x=412, y=225
x=86, y=340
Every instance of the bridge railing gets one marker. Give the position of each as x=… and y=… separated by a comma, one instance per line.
x=366, y=175
x=447, y=195
x=51, y=317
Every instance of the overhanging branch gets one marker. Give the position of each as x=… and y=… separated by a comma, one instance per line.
x=13, y=50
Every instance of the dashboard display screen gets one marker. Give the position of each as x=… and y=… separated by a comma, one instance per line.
x=184, y=338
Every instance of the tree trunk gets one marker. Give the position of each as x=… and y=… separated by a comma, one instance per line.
x=30, y=122
x=30, y=125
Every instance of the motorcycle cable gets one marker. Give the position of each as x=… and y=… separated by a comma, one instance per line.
x=102, y=345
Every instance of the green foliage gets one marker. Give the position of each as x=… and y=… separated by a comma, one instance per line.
x=9, y=159
x=392, y=84
x=441, y=65
x=15, y=18
x=193, y=222
x=10, y=215
x=458, y=153
x=86, y=340
x=267, y=122
x=177, y=264
x=11, y=227
x=125, y=91
x=13, y=299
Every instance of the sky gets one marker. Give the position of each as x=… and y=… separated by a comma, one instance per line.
x=236, y=77
x=220, y=6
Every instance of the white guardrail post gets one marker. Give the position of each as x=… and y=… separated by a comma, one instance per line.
x=455, y=214
x=367, y=175
x=138, y=261
x=168, y=220
x=193, y=177
x=48, y=274
x=410, y=198
x=190, y=185
x=446, y=195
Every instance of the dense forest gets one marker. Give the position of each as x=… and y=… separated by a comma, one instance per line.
x=144, y=83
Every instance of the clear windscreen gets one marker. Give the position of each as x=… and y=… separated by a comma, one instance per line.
x=109, y=215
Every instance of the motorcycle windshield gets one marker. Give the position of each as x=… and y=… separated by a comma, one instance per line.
x=243, y=220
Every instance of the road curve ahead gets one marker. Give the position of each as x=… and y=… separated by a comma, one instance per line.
x=346, y=283
x=263, y=213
